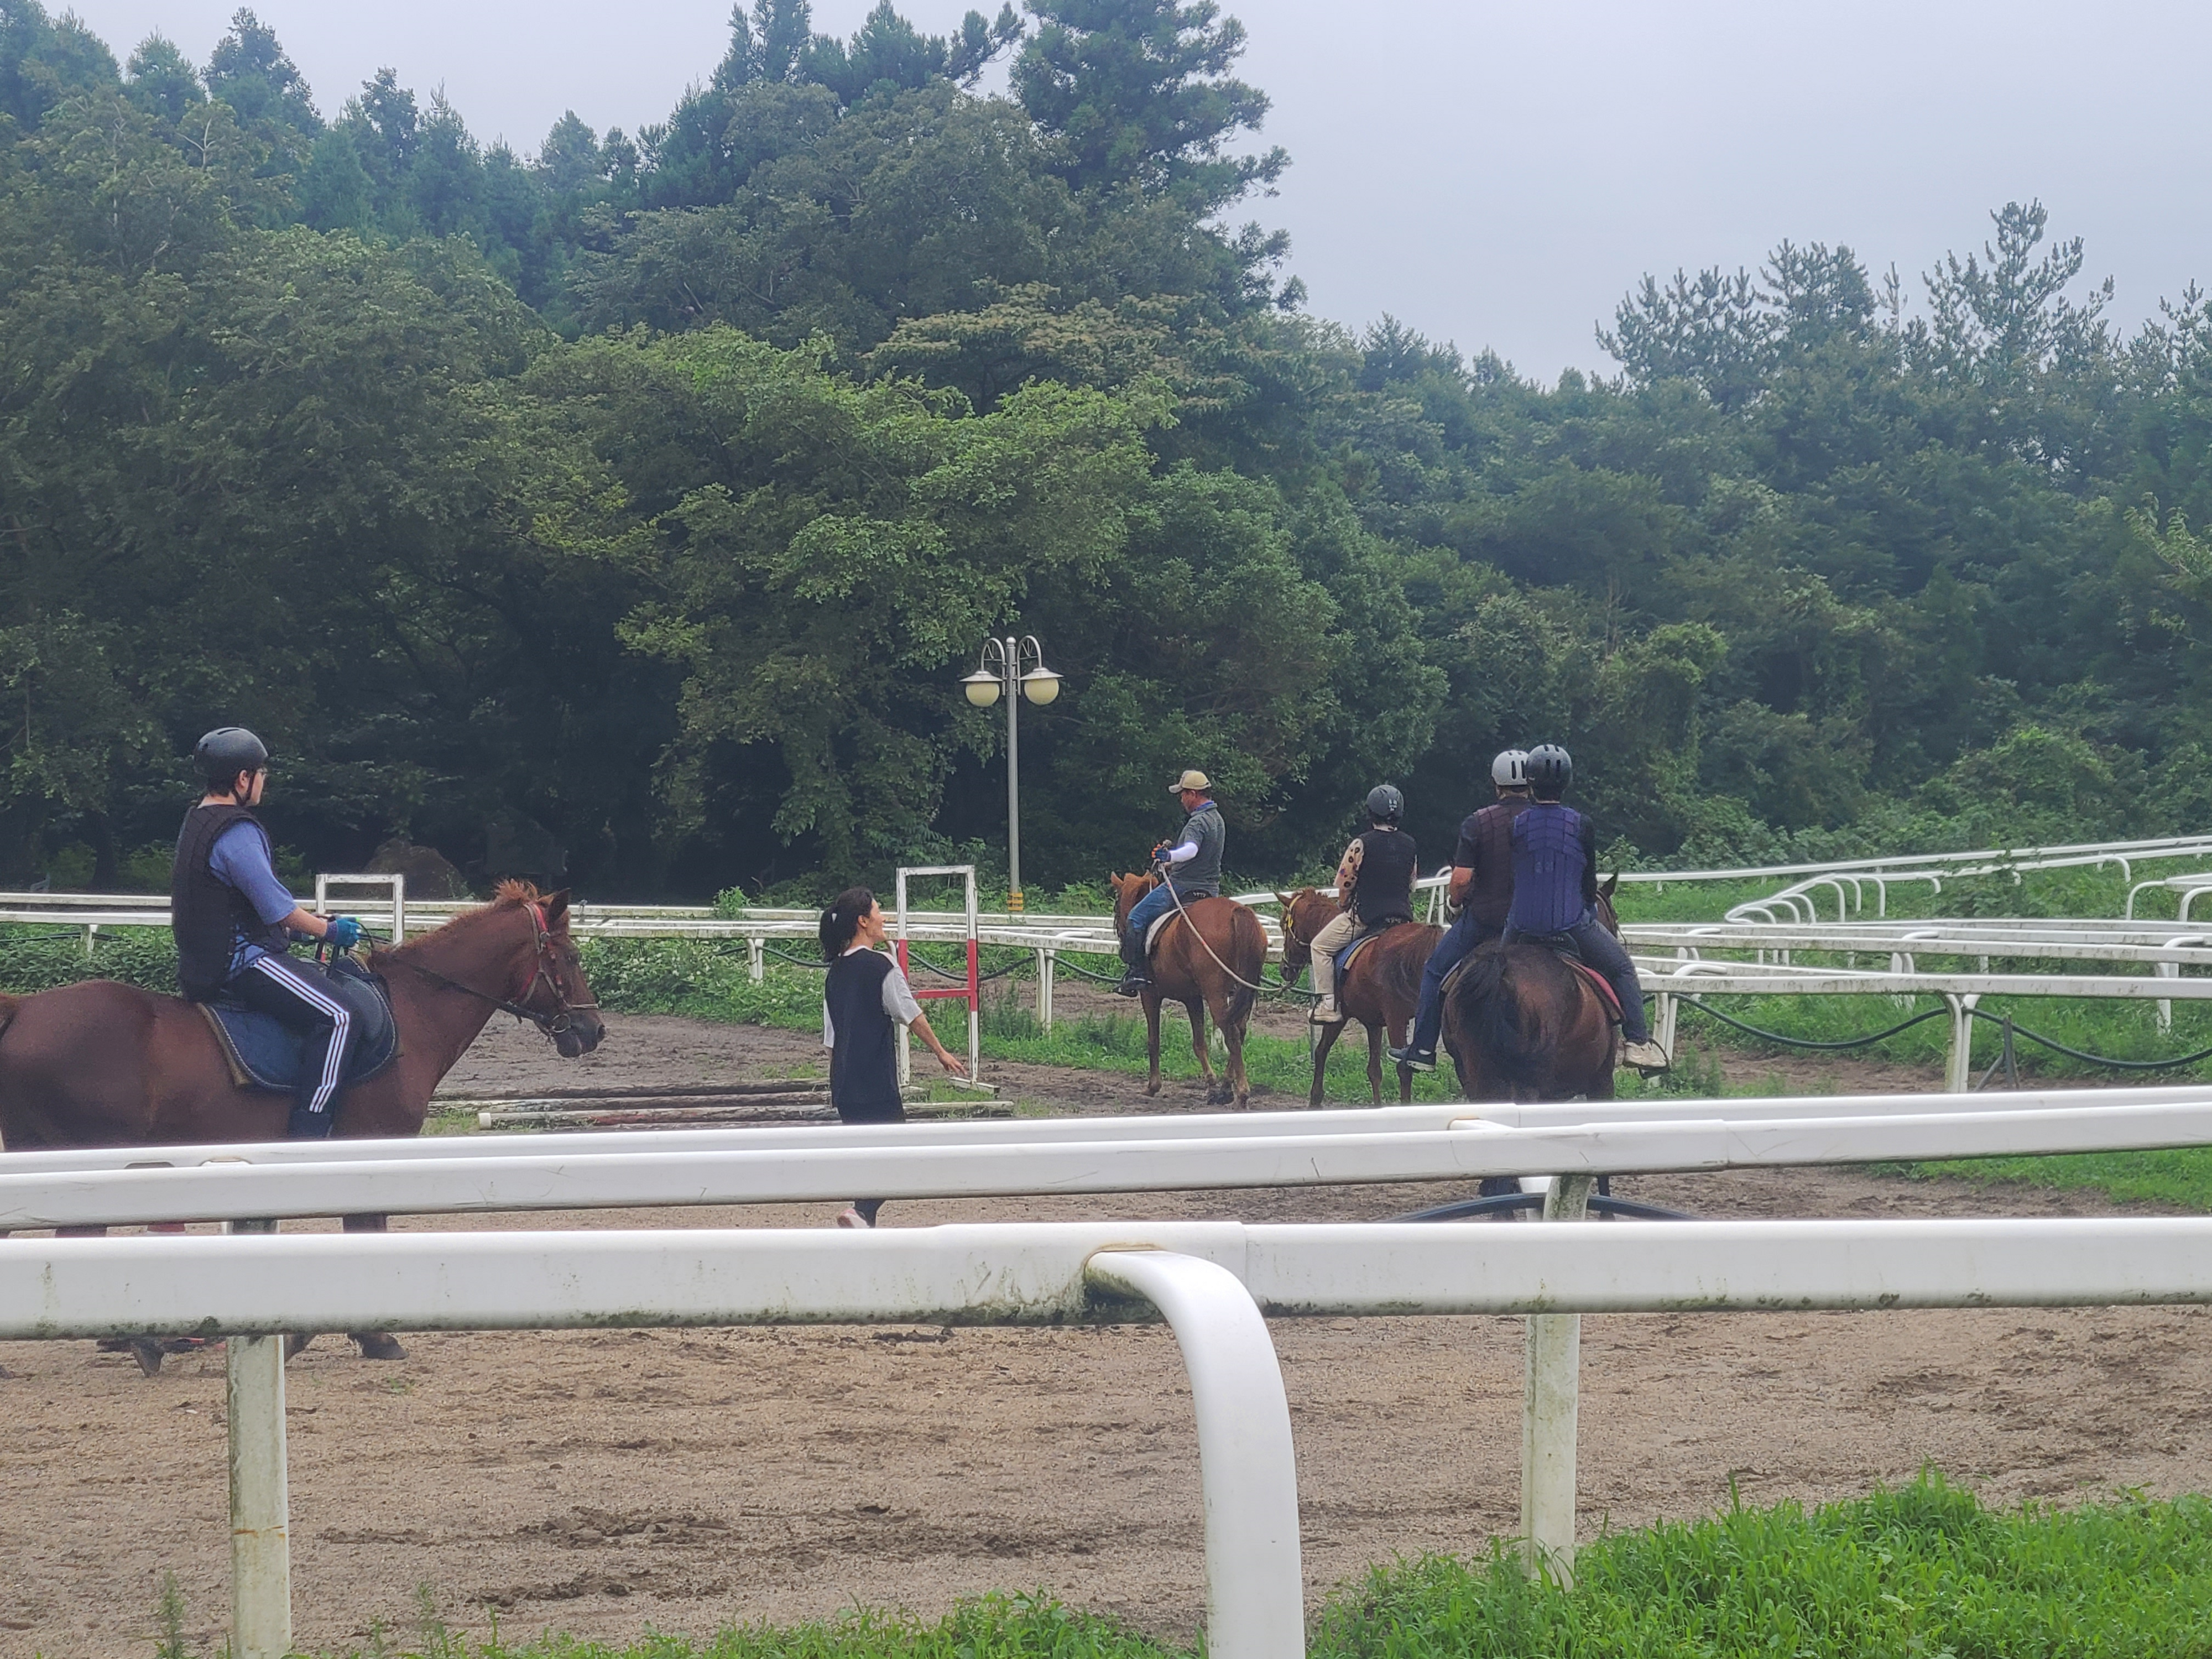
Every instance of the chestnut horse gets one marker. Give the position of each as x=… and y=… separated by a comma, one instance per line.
x=1209, y=955
x=1522, y=1024
x=1381, y=991
x=101, y=1064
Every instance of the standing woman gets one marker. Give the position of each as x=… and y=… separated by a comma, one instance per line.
x=864, y=998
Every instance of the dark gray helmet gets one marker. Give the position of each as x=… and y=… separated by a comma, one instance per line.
x=225, y=752
x=1385, y=805
x=1551, y=769
x=1510, y=769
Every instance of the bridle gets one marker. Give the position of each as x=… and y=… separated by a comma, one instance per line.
x=547, y=973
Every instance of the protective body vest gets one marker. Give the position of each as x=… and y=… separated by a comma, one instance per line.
x=1388, y=865
x=1485, y=846
x=864, y=1062
x=1553, y=850
x=208, y=916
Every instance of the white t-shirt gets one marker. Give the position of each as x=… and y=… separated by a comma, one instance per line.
x=899, y=1001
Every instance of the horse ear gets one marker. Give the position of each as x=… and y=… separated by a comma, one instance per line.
x=1611, y=884
x=557, y=908
x=1285, y=900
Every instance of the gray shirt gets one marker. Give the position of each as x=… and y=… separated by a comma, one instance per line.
x=1199, y=871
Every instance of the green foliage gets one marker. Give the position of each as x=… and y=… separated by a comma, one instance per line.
x=626, y=512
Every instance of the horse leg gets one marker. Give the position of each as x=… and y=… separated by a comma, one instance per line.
x=146, y=1349
x=1151, y=1001
x=374, y=1344
x=1215, y=1093
x=1328, y=1041
x=1240, y=1086
x=1374, y=1063
x=1397, y=1030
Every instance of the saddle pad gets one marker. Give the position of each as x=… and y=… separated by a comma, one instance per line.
x=263, y=1053
x=1153, y=932
x=1599, y=983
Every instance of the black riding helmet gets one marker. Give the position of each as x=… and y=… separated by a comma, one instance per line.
x=1551, y=769
x=1385, y=805
x=225, y=752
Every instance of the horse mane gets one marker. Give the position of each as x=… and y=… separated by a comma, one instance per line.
x=510, y=895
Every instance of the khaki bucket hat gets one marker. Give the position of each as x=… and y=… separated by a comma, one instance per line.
x=1192, y=779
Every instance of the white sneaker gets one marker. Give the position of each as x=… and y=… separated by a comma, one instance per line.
x=1326, y=1013
x=849, y=1216
x=1645, y=1056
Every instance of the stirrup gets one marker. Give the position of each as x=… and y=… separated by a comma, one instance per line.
x=1135, y=981
x=1326, y=1013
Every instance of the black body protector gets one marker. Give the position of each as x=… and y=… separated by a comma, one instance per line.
x=208, y=915
x=1388, y=862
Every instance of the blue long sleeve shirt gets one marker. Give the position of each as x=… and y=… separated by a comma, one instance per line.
x=240, y=858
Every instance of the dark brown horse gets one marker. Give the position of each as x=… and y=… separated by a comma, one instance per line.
x=1210, y=956
x=1522, y=1024
x=1382, y=990
x=100, y=1064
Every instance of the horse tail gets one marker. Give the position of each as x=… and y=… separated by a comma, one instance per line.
x=1492, y=1010
x=1248, y=961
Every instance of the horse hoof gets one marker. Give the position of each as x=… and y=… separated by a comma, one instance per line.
x=296, y=1341
x=378, y=1345
x=148, y=1352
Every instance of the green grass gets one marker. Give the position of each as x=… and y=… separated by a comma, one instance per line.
x=1925, y=1571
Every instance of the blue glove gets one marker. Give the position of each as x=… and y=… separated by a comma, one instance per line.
x=343, y=934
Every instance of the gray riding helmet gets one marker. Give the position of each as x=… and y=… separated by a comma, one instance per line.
x=1510, y=769
x=1385, y=805
x=1551, y=768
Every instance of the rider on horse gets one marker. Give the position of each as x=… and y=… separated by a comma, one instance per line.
x=1189, y=869
x=1555, y=895
x=233, y=922
x=1375, y=890
x=1482, y=889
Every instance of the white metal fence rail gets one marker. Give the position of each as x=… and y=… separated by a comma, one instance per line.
x=1212, y=1280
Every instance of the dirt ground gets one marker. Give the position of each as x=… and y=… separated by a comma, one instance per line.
x=604, y=1483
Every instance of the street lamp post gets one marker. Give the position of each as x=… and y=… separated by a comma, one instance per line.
x=1000, y=672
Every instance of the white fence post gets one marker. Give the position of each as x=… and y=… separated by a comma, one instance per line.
x=1046, y=962
x=1959, y=1064
x=1247, y=1466
x=261, y=1504
x=756, y=958
x=1549, y=1413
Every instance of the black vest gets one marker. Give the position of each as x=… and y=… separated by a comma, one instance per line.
x=207, y=914
x=1388, y=865
x=863, y=1058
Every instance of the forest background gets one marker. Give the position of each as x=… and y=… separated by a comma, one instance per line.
x=627, y=514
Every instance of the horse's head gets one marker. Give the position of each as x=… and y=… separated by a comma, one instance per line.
x=1127, y=889
x=1303, y=918
x=1606, y=914
x=549, y=972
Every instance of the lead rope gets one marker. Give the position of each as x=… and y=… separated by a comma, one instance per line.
x=1204, y=947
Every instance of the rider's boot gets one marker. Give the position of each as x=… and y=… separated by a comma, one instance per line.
x=311, y=1126
x=1325, y=1012
x=1645, y=1056
x=1415, y=1060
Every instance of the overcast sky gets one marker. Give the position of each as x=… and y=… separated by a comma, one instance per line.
x=1499, y=174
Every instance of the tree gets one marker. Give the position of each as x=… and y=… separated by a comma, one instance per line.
x=1139, y=93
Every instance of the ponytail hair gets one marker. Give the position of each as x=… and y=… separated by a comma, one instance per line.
x=841, y=920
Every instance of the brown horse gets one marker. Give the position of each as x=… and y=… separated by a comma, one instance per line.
x=1211, y=955
x=101, y=1064
x=1522, y=1024
x=1382, y=990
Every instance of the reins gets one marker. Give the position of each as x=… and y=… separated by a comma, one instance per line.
x=552, y=1025
x=1203, y=946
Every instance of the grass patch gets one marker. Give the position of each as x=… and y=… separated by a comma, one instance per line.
x=1920, y=1572
x=2181, y=1177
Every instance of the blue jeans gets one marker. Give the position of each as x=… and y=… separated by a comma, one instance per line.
x=1157, y=902
x=1603, y=951
x=1461, y=940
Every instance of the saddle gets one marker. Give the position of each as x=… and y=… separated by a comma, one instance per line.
x=1564, y=945
x=1361, y=941
x=264, y=1054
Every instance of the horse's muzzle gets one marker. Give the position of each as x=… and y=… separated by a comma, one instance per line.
x=584, y=1033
